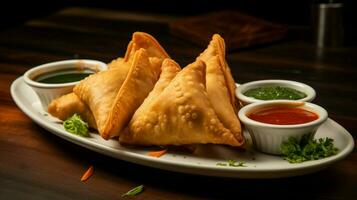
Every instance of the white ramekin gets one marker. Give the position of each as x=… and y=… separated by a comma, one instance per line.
x=47, y=92
x=309, y=91
x=269, y=137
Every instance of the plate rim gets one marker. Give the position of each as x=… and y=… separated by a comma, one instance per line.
x=144, y=160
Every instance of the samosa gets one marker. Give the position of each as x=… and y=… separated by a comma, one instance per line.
x=67, y=105
x=112, y=100
x=181, y=114
x=221, y=86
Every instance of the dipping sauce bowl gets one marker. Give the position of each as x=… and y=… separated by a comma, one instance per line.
x=268, y=135
x=49, y=91
x=300, y=87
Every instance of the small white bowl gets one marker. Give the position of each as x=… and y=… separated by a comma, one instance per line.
x=309, y=91
x=269, y=137
x=47, y=92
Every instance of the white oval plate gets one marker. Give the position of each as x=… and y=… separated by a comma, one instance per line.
x=203, y=161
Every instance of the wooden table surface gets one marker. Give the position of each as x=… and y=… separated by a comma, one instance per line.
x=35, y=164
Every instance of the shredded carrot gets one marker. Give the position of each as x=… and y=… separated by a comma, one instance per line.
x=87, y=174
x=157, y=153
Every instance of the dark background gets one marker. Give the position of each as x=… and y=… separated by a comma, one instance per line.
x=291, y=12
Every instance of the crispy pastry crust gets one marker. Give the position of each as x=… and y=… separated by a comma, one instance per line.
x=220, y=86
x=66, y=105
x=105, y=83
x=181, y=114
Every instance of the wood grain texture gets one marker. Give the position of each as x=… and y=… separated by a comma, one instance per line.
x=238, y=29
x=34, y=164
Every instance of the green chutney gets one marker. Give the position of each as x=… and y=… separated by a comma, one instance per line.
x=55, y=78
x=275, y=92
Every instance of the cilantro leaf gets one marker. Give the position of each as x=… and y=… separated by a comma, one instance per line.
x=232, y=163
x=134, y=191
x=307, y=149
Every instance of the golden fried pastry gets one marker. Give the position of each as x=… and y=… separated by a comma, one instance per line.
x=154, y=50
x=70, y=104
x=217, y=48
x=147, y=42
x=116, y=63
x=220, y=86
x=181, y=114
x=169, y=69
x=66, y=105
x=113, y=100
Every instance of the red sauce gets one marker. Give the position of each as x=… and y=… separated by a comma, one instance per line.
x=283, y=116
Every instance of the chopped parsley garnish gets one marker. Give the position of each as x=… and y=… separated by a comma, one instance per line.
x=76, y=126
x=232, y=163
x=221, y=164
x=307, y=149
x=134, y=191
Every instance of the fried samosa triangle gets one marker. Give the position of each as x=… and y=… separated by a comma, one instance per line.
x=217, y=48
x=70, y=104
x=181, y=114
x=67, y=105
x=113, y=101
x=220, y=86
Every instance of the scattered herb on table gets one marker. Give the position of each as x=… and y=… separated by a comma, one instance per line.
x=134, y=191
x=232, y=163
x=76, y=126
x=307, y=149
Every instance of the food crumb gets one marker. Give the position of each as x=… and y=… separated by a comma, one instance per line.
x=87, y=174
